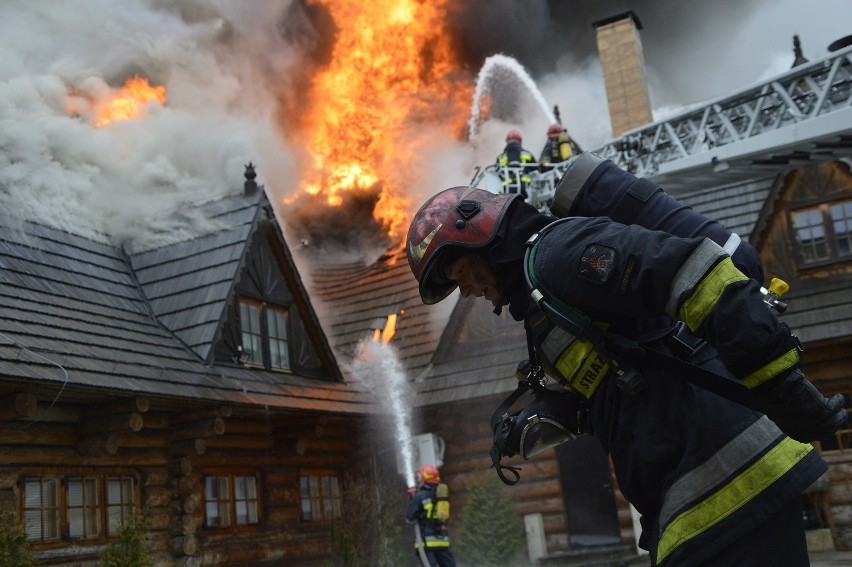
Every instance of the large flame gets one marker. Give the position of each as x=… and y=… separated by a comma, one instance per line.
x=390, y=76
x=129, y=101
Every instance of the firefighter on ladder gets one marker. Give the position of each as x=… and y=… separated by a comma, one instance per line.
x=717, y=482
x=429, y=510
x=516, y=164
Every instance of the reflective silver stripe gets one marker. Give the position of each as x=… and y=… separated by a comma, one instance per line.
x=576, y=174
x=732, y=243
x=705, y=478
x=690, y=274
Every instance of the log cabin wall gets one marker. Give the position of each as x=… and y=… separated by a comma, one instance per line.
x=172, y=453
x=465, y=430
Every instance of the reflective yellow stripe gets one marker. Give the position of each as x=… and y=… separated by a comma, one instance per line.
x=788, y=360
x=742, y=489
x=694, y=310
x=437, y=543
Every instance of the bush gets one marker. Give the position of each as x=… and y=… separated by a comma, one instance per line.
x=131, y=547
x=491, y=532
x=370, y=531
x=14, y=549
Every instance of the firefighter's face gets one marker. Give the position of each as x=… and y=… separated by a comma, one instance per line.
x=475, y=278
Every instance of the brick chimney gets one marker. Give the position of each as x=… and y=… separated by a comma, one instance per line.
x=623, y=64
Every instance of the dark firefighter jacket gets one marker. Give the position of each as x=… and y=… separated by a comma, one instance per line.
x=420, y=509
x=516, y=178
x=702, y=471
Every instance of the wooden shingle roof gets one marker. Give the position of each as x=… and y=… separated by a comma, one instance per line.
x=72, y=313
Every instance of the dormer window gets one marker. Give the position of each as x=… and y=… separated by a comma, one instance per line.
x=265, y=335
x=823, y=233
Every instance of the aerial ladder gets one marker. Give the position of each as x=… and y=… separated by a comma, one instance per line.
x=798, y=117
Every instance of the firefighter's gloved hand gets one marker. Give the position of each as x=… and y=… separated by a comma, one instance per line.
x=799, y=409
x=410, y=491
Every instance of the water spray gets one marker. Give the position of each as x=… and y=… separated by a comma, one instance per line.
x=483, y=86
x=377, y=365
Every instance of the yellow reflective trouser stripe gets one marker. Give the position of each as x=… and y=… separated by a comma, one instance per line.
x=695, y=309
x=747, y=485
x=784, y=362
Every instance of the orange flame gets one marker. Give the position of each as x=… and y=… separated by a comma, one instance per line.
x=391, y=74
x=129, y=102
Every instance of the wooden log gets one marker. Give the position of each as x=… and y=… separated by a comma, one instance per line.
x=157, y=421
x=188, y=447
x=188, y=485
x=181, y=466
x=239, y=442
x=184, y=524
x=35, y=434
x=191, y=503
x=142, y=439
x=183, y=545
x=158, y=476
x=9, y=478
x=202, y=413
x=57, y=413
x=158, y=497
x=24, y=405
x=200, y=429
x=98, y=445
x=249, y=427
x=132, y=421
x=136, y=404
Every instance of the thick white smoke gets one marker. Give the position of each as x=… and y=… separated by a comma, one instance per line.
x=60, y=169
x=228, y=65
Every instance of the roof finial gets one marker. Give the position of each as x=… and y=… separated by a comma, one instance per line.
x=250, y=186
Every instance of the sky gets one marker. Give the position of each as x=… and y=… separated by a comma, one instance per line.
x=231, y=66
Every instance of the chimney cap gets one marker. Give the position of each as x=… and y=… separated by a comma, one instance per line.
x=629, y=14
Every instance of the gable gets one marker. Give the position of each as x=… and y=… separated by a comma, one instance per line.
x=267, y=276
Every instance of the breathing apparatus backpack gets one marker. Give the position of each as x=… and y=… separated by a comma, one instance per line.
x=581, y=353
x=441, y=510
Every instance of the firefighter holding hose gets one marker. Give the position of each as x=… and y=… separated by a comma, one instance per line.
x=429, y=510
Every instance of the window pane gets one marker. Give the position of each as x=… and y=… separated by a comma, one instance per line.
x=121, y=498
x=250, y=326
x=41, y=513
x=217, y=501
x=276, y=322
x=841, y=216
x=82, y=503
x=810, y=234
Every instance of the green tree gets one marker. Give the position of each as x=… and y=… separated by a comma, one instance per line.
x=491, y=532
x=130, y=549
x=14, y=550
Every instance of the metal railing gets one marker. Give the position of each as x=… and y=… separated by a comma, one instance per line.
x=806, y=92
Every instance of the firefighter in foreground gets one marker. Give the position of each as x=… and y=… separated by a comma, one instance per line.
x=429, y=510
x=716, y=482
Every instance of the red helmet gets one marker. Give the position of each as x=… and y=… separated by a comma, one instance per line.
x=427, y=474
x=459, y=218
x=554, y=130
x=514, y=135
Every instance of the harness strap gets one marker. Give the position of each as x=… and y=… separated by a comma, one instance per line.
x=617, y=349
